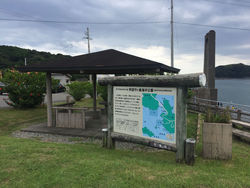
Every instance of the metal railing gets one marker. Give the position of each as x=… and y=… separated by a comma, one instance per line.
x=238, y=111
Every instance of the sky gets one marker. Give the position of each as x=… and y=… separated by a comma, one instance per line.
x=138, y=27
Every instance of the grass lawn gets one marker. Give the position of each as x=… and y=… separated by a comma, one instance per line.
x=88, y=102
x=33, y=163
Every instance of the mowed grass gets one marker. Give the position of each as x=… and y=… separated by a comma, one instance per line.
x=88, y=102
x=14, y=119
x=33, y=163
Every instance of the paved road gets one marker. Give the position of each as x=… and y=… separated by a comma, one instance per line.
x=2, y=103
x=57, y=97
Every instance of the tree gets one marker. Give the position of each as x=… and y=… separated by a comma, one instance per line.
x=25, y=90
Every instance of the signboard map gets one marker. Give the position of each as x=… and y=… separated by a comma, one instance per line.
x=146, y=112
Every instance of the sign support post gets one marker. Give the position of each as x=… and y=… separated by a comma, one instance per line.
x=181, y=123
x=150, y=110
x=110, y=116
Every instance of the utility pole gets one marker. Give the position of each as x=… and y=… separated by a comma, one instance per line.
x=92, y=78
x=88, y=38
x=172, y=34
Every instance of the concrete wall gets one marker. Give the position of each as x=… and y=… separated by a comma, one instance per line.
x=217, y=140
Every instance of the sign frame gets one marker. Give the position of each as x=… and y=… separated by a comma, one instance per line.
x=128, y=112
x=180, y=82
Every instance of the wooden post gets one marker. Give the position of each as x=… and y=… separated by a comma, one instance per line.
x=239, y=115
x=189, y=151
x=181, y=131
x=83, y=119
x=110, y=115
x=56, y=116
x=49, y=99
x=67, y=99
x=69, y=118
x=94, y=91
x=104, y=137
x=199, y=121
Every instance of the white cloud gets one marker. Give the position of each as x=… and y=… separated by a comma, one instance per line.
x=154, y=53
x=47, y=47
x=244, y=46
x=225, y=60
x=188, y=63
x=239, y=19
x=145, y=40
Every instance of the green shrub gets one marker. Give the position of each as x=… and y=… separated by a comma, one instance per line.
x=190, y=93
x=77, y=90
x=103, y=92
x=219, y=116
x=88, y=88
x=55, y=84
x=25, y=90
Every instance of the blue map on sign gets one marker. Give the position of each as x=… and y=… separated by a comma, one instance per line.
x=158, y=116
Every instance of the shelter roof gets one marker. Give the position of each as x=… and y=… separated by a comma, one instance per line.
x=102, y=62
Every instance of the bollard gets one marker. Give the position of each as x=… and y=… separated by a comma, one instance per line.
x=189, y=151
x=67, y=99
x=104, y=138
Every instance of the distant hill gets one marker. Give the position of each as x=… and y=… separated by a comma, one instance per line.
x=11, y=56
x=233, y=71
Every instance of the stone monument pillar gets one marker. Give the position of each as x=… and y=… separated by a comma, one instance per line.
x=209, y=59
x=209, y=92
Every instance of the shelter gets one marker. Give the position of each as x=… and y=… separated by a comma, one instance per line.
x=102, y=62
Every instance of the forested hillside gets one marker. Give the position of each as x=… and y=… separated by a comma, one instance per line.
x=14, y=56
x=233, y=71
x=11, y=56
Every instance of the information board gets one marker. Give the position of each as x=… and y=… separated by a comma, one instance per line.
x=148, y=112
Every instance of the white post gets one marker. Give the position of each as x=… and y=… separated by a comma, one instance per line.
x=88, y=38
x=49, y=99
x=172, y=34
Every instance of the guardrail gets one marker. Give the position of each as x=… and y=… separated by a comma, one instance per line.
x=201, y=105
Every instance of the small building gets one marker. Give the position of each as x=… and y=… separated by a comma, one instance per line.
x=64, y=78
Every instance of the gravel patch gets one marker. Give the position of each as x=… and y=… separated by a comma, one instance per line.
x=55, y=138
x=76, y=140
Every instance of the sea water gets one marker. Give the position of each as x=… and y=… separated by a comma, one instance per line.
x=234, y=90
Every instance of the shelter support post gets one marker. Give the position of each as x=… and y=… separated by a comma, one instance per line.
x=94, y=91
x=110, y=116
x=49, y=99
x=181, y=124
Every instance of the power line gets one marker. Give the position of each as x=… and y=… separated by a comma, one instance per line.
x=83, y=22
x=215, y=26
x=123, y=23
x=242, y=1
x=229, y=3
